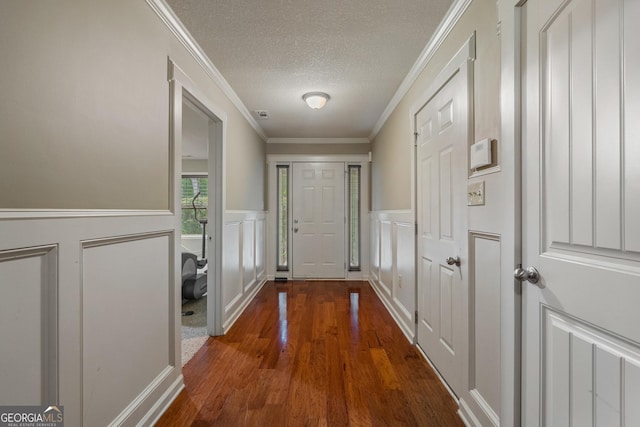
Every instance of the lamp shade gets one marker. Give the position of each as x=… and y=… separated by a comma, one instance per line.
x=315, y=100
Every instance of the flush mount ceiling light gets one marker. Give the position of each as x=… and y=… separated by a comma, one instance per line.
x=315, y=100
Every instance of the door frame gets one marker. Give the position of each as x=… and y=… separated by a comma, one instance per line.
x=460, y=63
x=509, y=27
x=181, y=88
x=273, y=160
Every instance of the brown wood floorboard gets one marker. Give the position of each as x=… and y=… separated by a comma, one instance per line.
x=311, y=353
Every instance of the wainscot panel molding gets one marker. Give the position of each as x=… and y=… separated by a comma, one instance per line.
x=138, y=267
x=243, y=262
x=107, y=333
x=480, y=403
x=29, y=292
x=392, y=265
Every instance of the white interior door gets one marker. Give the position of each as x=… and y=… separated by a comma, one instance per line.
x=581, y=224
x=441, y=126
x=318, y=213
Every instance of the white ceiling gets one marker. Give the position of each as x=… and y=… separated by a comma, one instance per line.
x=272, y=52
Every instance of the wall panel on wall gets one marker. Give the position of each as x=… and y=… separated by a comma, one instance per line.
x=126, y=288
x=260, y=249
x=404, y=291
x=386, y=256
x=243, y=261
x=484, y=376
x=375, y=248
x=248, y=254
x=29, y=326
x=393, y=249
x=231, y=262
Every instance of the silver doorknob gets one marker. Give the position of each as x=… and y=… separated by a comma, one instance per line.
x=529, y=274
x=452, y=261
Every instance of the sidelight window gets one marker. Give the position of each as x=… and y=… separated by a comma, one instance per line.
x=283, y=217
x=354, y=217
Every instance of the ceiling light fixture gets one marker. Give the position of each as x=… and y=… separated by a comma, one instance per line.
x=315, y=100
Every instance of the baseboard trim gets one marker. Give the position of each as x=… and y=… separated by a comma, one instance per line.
x=466, y=415
x=165, y=401
x=236, y=314
x=408, y=333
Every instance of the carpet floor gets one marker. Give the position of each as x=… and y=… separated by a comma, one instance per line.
x=194, y=328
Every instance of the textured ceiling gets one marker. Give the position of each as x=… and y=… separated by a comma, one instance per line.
x=271, y=52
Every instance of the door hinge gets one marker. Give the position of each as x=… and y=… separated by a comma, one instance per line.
x=416, y=317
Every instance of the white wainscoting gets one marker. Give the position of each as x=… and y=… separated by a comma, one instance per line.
x=88, y=307
x=392, y=273
x=480, y=403
x=126, y=280
x=28, y=299
x=393, y=278
x=243, y=262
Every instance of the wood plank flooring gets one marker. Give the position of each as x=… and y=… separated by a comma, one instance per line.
x=312, y=353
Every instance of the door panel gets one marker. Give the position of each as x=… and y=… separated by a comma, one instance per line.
x=318, y=208
x=442, y=230
x=581, y=333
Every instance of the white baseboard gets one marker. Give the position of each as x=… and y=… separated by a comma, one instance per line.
x=165, y=401
x=243, y=305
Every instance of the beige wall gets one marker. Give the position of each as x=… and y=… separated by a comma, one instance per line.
x=84, y=109
x=318, y=149
x=195, y=166
x=391, y=148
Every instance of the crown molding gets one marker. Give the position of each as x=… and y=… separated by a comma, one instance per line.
x=162, y=9
x=446, y=25
x=318, y=141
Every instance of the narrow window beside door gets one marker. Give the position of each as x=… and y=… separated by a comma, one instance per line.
x=354, y=218
x=283, y=217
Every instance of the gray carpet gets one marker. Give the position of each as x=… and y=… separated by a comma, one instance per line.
x=194, y=328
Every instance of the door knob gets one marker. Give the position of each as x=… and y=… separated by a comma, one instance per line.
x=295, y=230
x=529, y=274
x=453, y=260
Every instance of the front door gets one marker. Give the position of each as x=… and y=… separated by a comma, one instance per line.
x=581, y=213
x=441, y=127
x=318, y=213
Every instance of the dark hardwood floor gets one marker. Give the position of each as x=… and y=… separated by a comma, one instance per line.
x=312, y=353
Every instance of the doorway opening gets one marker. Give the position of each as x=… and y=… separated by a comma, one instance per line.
x=197, y=133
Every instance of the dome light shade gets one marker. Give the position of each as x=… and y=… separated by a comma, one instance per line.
x=315, y=100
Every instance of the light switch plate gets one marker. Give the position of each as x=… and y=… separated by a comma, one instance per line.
x=475, y=193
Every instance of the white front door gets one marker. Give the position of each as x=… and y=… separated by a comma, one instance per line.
x=581, y=213
x=441, y=126
x=318, y=213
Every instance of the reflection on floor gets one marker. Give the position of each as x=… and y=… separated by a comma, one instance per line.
x=314, y=353
x=194, y=327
